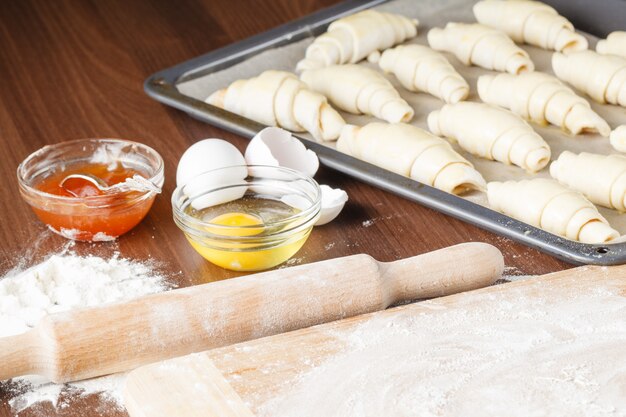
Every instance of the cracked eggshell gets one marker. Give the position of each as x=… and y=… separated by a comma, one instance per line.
x=196, y=172
x=333, y=200
x=277, y=147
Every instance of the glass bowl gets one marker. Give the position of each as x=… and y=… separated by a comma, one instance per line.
x=94, y=217
x=247, y=218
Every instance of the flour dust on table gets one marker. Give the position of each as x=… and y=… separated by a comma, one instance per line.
x=63, y=282
x=514, y=356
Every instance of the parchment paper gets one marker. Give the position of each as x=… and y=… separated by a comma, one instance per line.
x=433, y=13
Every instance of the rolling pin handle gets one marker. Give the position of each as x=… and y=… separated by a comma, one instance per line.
x=443, y=272
x=18, y=355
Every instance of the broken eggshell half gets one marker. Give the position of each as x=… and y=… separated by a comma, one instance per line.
x=277, y=147
x=333, y=200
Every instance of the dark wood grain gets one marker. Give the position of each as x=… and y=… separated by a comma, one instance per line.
x=74, y=69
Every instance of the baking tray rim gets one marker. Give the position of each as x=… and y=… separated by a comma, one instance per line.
x=161, y=86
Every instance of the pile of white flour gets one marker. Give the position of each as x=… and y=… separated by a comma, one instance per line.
x=61, y=283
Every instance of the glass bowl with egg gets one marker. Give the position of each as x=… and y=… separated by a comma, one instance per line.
x=91, y=189
x=247, y=218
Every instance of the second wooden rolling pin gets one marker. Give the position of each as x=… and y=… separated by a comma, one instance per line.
x=97, y=341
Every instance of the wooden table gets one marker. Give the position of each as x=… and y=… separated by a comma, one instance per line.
x=74, y=69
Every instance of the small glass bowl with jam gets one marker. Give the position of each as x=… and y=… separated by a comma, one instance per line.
x=91, y=189
x=247, y=218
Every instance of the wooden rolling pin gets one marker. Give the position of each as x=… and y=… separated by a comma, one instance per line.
x=97, y=341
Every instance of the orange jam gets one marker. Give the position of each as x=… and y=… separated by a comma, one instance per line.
x=92, y=214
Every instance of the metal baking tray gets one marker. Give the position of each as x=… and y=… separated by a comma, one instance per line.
x=604, y=17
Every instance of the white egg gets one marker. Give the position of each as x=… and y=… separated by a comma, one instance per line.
x=216, y=187
x=197, y=173
x=333, y=200
x=277, y=147
x=207, y=155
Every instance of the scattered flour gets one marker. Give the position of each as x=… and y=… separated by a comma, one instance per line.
x=512, y=273
x=102, y=237
x=292, y=262
x=513, y=278
x=74, y=234
x=370, y=222
x=61, y=283
x=562, y=355
x=111, y=154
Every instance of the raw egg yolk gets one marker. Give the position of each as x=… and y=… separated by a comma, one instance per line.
x=240, y=222
x=241, y=254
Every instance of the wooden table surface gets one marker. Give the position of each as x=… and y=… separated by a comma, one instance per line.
x=74, y=69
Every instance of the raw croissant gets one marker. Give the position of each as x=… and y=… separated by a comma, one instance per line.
x=492, y=133
x=551, y=206
x=614, y=44
x=359, y=90
x=542, y=99
x=352, y=38
x=601, y=178
x=278, y=98
x=618, y=138
x=410, y=151
x=531, y=22
x=476, y=44
x=602, y=77
x=419, y=68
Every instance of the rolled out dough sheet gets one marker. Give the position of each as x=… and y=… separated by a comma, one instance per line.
x=434, y=13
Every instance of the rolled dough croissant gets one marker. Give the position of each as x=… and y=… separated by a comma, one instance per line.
x=618, y=138
x=541, y=98
x=410, y=151
x=419, y=68
x=359, y=90
x=602, y=77
x=601, y=178
x=279, y=98
x=531, y=22
x=546, y=204
x=614, y=44
x=476, y=44
x=491, y=132
x=352, y=38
